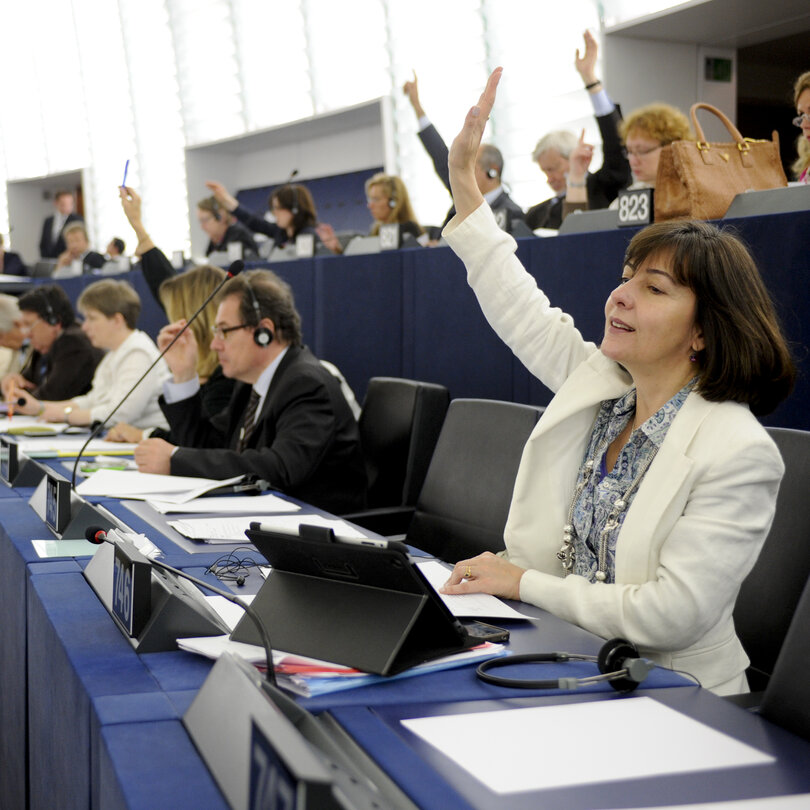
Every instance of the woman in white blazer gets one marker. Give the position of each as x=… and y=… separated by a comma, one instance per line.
x=648, y=486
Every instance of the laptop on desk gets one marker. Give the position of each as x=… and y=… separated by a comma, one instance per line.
x=43, y=268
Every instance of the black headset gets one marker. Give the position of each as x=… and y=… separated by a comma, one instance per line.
x=215, y=210
x=50, y=317
x=492, y=173
x=294, y=209
x=262, y=336
x=618, y=661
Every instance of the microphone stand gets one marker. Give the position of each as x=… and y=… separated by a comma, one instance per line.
x=234, y=270
x=98, y=535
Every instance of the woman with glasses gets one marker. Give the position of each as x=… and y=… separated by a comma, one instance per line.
x=388, y=202
x=644, y=132
x=801, y=98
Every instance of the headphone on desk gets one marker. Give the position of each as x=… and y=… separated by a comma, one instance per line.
x=262, y=336
x=618, y=661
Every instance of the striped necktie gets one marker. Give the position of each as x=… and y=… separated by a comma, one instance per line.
x=249, y=421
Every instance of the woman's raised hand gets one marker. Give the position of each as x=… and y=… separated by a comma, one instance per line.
x=464, y=150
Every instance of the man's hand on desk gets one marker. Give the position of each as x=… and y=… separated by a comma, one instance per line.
x=486, y=573
x=154, y=456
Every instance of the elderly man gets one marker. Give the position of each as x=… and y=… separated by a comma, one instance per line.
x=554, y=150
x=287, y=422
x=488, y=166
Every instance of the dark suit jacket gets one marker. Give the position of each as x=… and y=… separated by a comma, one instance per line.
x=306, y=441
x=67, y=369
x=13, y=264
x=235, y=233
x=48, y=248
x=92, y=261
x=603, y=186
x=506, y=210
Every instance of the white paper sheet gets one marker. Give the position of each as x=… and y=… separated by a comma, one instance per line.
x=481, y=605
x=794, y=802
x=142, y=486
x=517, y=750
x=216, y=530
x=236, y=504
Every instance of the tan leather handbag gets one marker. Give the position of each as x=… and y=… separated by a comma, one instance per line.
x=697, y=179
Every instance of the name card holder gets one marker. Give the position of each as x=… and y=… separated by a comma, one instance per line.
x=65, y=513
x=636, y=207
x=390, y=237
x=132, y=585
x=16, y=469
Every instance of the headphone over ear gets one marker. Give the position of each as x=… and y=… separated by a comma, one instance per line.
x=215, y=211
x=618, y=661
x=492, y=173
x=294, y=209
x=50, y=317
x=262, y=336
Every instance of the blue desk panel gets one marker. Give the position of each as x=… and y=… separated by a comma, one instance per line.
x=433, y=781
x=411, y=313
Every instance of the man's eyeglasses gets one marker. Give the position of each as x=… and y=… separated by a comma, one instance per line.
x=642, y=152
x=797, y=121
x=222, y=332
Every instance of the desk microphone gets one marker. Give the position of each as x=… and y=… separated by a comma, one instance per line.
x=237, y=267
x=98, y=535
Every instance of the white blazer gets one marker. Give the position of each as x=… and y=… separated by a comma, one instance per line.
x=698, y=520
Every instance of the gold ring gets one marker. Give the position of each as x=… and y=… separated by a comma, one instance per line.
x=468, y=572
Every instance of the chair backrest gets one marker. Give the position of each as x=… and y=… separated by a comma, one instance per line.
x=399, y=425
x=770, y=593
x=463, y=505
x=786, y=701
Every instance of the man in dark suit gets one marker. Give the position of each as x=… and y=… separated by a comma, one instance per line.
x=10, y=263
x=488, y=166
x=287, y=422
x=62, y=361
x=52, y=242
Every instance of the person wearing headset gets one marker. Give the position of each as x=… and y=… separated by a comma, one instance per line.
x=292, y=207
x=488, y=165
x=221, y=229
x=287, y=421
x=388, y=202
x=62, y=361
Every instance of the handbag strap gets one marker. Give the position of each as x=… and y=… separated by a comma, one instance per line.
x=735, y=133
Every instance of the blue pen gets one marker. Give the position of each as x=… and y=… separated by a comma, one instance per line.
x=126, y=169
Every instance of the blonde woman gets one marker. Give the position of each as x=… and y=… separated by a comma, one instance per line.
x=388, y=202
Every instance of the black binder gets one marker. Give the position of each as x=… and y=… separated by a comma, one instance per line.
x=360, y=606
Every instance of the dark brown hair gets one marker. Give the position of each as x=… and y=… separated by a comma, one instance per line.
x=298, y=200
x=274, y=298
x=746, y=358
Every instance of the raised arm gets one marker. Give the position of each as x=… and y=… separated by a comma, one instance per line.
x=464, y=150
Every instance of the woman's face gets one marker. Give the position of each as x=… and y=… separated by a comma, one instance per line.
x=377, y=201
x=284, y=217
x=650, y=325
x=643, y=153
x=803, y=108
x=102, y=331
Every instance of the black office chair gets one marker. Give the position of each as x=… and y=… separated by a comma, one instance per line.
x=399, y=425
x=770, y=593
x=462, y=508
x=786, y=701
